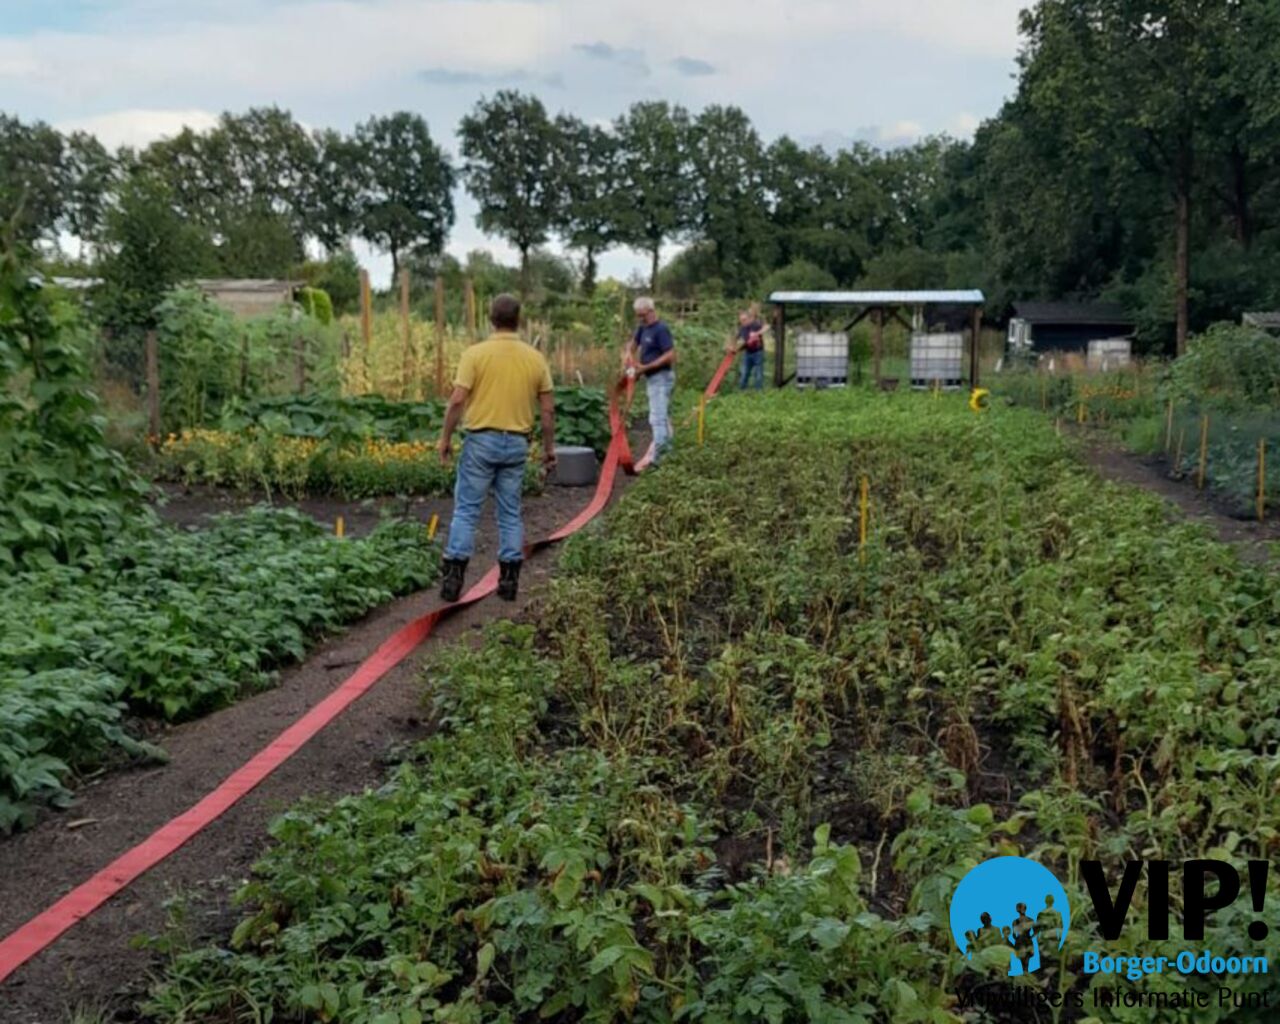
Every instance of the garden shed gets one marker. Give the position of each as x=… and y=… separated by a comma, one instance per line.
x=915, y=310
x=1066, y=326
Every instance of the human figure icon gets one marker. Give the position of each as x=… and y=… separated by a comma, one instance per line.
x=1023, y=938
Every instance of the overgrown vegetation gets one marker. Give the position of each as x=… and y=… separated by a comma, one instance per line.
x=735, y=769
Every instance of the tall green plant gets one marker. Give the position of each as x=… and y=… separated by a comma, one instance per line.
x=64, y=491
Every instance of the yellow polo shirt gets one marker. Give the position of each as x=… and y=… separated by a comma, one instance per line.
x=505, y=377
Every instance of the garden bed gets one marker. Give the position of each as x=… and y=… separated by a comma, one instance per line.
x=735, y=765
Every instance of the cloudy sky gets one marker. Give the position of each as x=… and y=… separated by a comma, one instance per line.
x=819, y=70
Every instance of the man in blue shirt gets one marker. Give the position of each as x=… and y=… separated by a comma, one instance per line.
x=653, y=356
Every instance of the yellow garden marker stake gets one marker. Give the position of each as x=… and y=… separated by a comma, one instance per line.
x=1204, y=450
x=863, y=503
x=1177, y=458
x=1168, y=429
x=431, y=526
x=1082, y=415
x=702, y=418
x=1262, y=478
x=340, y=527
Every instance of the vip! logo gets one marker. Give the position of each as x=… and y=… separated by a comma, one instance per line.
x=1013, y=904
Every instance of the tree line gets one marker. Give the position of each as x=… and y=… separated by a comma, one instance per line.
x=1133, y=162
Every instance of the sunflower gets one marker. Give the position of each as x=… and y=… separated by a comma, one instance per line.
x=980, y=400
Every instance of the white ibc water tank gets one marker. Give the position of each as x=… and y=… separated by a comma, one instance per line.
x=1109, y=353
x=937, y=360
x=822, y=360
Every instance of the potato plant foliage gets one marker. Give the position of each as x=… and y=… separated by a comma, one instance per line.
x=106, y=614
x=732, y=770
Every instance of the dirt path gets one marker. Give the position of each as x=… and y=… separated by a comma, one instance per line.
x=93, y=965
x=1113, y=462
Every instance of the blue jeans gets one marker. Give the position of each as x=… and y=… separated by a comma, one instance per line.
x=489, y=460
x=659, y=388
x=752, y=366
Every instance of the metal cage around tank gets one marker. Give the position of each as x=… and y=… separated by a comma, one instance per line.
x=880, y=307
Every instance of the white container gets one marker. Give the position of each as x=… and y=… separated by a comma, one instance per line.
x=822, y=360
x=937, y=360
x=1109, y=353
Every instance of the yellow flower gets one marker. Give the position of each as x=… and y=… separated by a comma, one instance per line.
x=980, y=400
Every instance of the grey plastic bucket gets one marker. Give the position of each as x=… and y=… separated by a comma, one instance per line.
x=575, y=467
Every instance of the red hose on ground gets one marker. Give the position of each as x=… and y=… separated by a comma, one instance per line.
x=38, y=933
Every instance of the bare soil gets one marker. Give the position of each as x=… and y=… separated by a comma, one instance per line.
x=94, y=964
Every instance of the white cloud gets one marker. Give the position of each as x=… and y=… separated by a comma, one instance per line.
x=964, y=124
x=139, y=128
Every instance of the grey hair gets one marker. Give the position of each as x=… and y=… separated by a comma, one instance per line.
x=644, y=304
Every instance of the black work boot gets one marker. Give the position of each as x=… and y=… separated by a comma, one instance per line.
x=452, y=571
x=508, y=580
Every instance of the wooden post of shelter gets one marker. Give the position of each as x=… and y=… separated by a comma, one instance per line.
x=440, y=368
x=974, y=346
x=406, y=333
x=877, y=321
x=153, y=388
x=780, y=349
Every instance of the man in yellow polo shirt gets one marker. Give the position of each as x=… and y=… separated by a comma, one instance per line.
x=500, y=385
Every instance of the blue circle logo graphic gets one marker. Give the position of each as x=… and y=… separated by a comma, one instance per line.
x=1011, y=903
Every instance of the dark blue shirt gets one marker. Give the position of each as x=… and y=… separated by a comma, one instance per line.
x=744, y=336
x=654, y=341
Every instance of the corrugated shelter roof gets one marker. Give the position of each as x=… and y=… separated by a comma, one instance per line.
x=1104, y=313
x=957, y=298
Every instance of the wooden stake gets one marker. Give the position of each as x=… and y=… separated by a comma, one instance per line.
x=1044, y=394
x=406, y=332
x=1262, y=478
x=300, y=355
x=863, y=508
x=702, y=418
x=1177, y=459
x=1168, y=428
x=471, y=309
x=1082, y=415
x=366, y=312
x=340, y=527
x=431, y=526
x=153, y=389
x=440, y=382
x=1204, y=450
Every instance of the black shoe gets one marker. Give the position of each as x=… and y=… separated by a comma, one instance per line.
x=452, y=571
x=508, y=580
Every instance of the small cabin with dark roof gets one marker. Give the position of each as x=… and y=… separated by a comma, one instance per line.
x=1066, y=326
